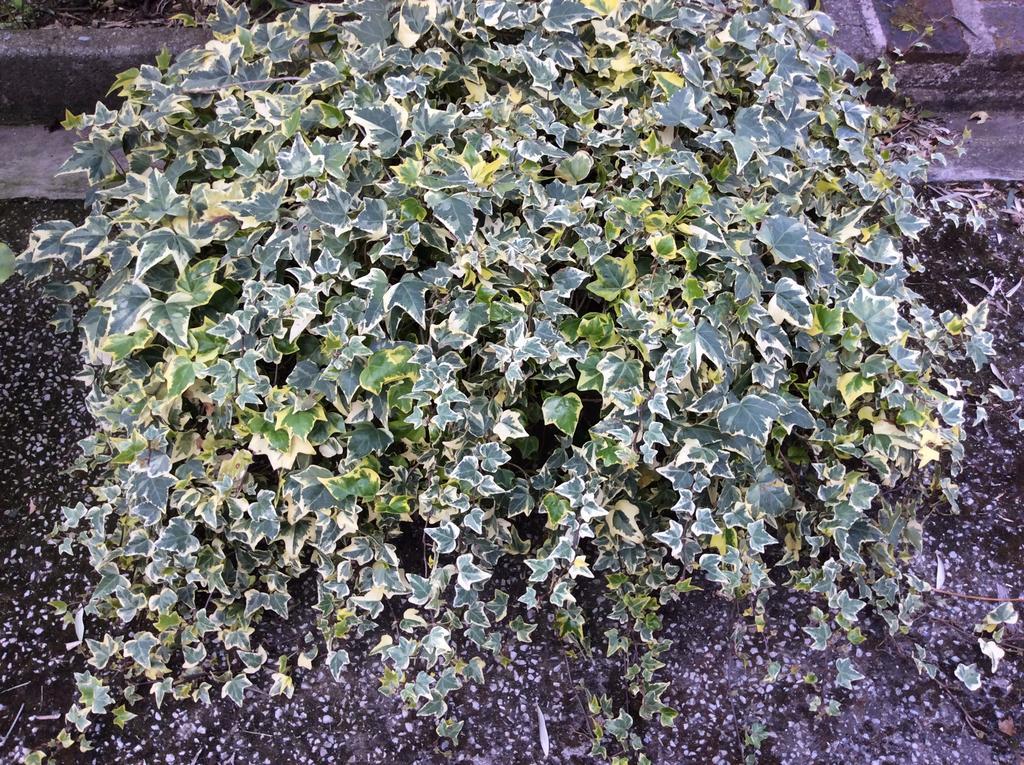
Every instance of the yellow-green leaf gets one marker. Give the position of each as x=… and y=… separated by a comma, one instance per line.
x=852, y=386
x=179, y=374
x=387, y=366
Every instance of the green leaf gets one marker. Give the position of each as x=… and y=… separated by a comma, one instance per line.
x=122, y=716
x=179, y=374
x=576, y=168
x=177, y=537
x=786, y=238
x=468, y=572
x=751, y=416
x=383, y=127
x=613, y=275
x=408, y=295
x=455, y=213
x=170, y=319
x=826, y=321
x=388, y=366
x=556, y=508
x=563, y=412
x=879, y=314
x=681, y=110
x=235, y=689
x=598, y=329
x=6, y=262
x=790, y=304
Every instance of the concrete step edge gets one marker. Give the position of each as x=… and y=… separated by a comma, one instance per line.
x=44, y=71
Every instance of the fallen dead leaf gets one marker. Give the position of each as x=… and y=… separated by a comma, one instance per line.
x=1006, y=727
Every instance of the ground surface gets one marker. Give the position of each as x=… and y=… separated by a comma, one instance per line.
x=894, y=716
x=31, y=14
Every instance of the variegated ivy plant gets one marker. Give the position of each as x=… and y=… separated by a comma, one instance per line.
x=603, y=288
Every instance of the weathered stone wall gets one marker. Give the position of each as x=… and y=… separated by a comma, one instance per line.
x=956, y=54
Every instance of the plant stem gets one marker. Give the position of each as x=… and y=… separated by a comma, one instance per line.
x=986, y=598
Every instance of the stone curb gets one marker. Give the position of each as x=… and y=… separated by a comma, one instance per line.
x=44, y=71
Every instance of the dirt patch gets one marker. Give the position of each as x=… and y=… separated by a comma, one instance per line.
x=35, y=14
x=721, y=672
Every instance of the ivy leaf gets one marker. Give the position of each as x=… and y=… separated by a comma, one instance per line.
x=366, y=439
x=362, y=482
x=408, y=295
x=826, y=321
x=156, y=246
x=161, y=199
x=878, y=313
x=170, y=319
x=706, y=342
x=455, y=213
x=620, y=374
x=373, y=218
x=681, y=109
x=297, y=161
x=332, y=207
x=598, y=329
x=852, y=386
x=576, y=168
x=179, y=374
x=444, y=537
x=786, y=238
x=140, y=648
x=387, y=366
x=468, y=572
x=235, y=689
x=622, y=521
x=6, y=262
x=846, y=674
x=563, y=412
x=122, y=716
x=336, y=662
x=177, y=537
x=556, y=508
x=415, y=19
x=563, y=15
x=383, y=125
x=751, y=416
x=613, y=276
x=509, y=426
x=789, y=303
